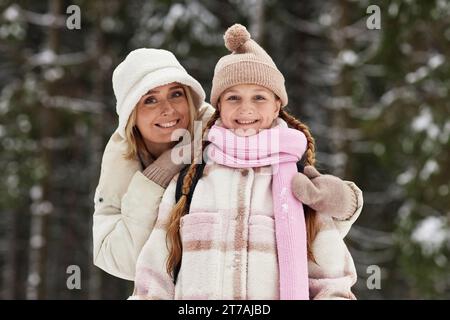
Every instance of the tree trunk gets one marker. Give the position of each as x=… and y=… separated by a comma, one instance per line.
x=256, y=27
x=342, y=90
x=37, y=274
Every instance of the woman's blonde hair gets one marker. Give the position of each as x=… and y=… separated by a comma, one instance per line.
x=135, y=142
x=181, y=207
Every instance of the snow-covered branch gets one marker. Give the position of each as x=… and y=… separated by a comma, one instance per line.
x=301, y=25
x=49, y=57
x=336, y=133
x=72, y=104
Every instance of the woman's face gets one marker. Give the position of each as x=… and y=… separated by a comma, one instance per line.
x=160, y=111
x=248, y=108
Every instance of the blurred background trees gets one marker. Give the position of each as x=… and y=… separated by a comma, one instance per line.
x=377, y=102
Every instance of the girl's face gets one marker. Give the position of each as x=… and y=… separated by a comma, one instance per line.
x=248, y=108
x=159, y=112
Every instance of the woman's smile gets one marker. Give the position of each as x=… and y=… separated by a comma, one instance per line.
x=168, y=124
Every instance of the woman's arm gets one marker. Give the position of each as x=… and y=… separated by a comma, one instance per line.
x=344, y=223
x=333, y=273
x=152, y=280
x=120, y=230
x=126, y=206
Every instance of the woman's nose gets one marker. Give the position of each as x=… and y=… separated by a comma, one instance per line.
x=167, y=108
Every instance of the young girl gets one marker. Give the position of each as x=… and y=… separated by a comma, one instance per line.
x=243, y=235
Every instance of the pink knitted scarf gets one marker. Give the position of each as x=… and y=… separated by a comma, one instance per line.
x=280, y=147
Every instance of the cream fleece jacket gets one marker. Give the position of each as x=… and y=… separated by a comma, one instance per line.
x=126, y=203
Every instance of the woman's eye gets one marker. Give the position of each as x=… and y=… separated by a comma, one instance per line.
x=150, y=100
x=177, y=94
x=233, y=98
x=260, y=97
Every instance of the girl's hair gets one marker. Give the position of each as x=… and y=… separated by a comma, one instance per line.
x=181, y=207
x=309, y=160
x=135, y=141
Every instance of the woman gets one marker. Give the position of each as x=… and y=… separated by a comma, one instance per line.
x=157, y=98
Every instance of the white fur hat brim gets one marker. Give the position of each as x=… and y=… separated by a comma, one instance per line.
x=144, y=69
x=152, y=80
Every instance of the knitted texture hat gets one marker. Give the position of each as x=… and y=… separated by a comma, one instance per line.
x=142, y=70
x=248, y=63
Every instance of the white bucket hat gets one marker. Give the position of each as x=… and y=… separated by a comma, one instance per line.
x=142, y=70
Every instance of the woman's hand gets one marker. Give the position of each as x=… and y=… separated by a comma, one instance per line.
x=170, y=162
x=326, y=194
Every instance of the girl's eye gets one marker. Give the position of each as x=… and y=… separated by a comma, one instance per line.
x=259, y=97
x=150, y=100
x=233, y=98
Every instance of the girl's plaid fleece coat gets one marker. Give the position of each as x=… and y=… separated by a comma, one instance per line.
x=229, y=247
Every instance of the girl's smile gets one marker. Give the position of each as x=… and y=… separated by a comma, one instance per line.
x=244, y=122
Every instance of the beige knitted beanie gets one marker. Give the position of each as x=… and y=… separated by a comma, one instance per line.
x=248, y=63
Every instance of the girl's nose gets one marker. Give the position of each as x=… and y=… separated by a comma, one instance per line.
x=246, y=109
